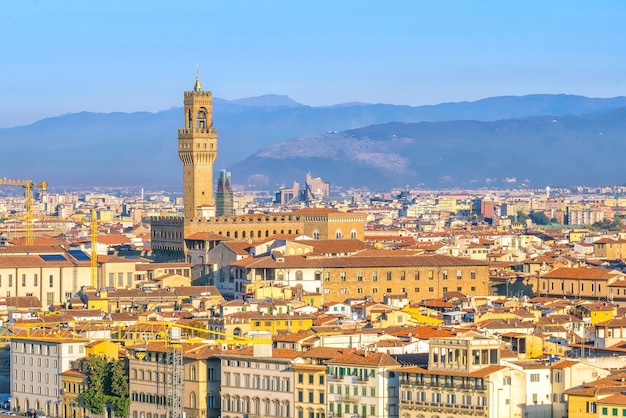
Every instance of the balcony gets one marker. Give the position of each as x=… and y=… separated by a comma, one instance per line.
x=444, y=407
x=261, y=416
x=347, y=398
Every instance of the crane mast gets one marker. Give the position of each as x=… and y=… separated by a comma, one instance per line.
x=28, y=186
x=94, y=249
x=175, y=354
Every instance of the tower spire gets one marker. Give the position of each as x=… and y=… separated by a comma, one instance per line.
x=197, y=87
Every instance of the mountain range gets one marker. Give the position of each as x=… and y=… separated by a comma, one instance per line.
x=267, y=141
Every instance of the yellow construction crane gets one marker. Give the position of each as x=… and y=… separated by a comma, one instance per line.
x=28, y=186
x=94, y=250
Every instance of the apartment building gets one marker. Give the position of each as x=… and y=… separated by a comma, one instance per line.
x=37, y=362
x=150, y=380
x=363, y=384
x=50, y=273
x=581, y=282
x=258, y=382
x=372, y=274
x=463, y=378
x=567, y=374
x=310, y=382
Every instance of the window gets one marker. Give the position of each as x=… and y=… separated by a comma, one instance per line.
x=343, y=291
x=431, y=289
x=23, y=280
x=444, y=274
x=534, y=377
x=51, y=281
x=342, y=277
x=473, y=274
x=359, y=276
x=35, y=280
x=374, y=276
x=417, y=275
x=388, y=275
x=417, y=290
x=430, y=275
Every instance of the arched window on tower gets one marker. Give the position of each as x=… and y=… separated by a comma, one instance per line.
x=189, y=120
x=201, y=118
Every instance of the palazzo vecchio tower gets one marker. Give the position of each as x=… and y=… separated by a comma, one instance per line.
x=197, y=149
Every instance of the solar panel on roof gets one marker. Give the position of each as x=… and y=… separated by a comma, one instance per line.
x=79, y=255
x=53, y=257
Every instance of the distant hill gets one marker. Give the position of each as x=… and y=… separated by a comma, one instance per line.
x=127, y=149
x=535, y=151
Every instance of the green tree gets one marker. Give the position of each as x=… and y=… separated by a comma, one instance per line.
x=606, y=224
x=107, y=384
x=539, y=218
x=520, y=217
x=98, y=371
x=119, y=378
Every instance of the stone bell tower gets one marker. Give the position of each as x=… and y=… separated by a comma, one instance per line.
x=197, y=149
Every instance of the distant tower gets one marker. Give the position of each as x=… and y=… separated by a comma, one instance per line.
x=197, y=149
x=224, y=195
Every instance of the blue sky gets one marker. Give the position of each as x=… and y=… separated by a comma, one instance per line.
x=73, y=55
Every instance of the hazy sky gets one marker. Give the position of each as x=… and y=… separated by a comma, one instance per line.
x=73, y=55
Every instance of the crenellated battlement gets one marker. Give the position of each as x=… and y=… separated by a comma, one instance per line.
x=255, y=219
x=167, y=220
x=196, y=131
x=190, y=94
